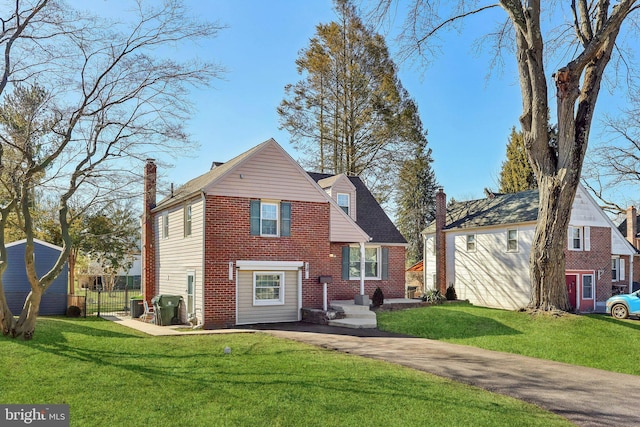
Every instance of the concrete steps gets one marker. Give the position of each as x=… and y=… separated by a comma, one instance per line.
x=356, y=316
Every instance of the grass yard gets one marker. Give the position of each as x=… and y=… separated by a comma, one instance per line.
x=597, y=341
x=111, y=375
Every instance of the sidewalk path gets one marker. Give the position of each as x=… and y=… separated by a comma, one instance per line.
x=585, y=396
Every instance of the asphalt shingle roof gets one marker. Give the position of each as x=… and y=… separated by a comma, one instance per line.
x=371, y=217
x=501, y=209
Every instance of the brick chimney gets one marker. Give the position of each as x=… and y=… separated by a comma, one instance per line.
x=632, y=224
x=441, y=247
x=148, y=238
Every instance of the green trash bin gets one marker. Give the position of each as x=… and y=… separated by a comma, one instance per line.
x=167, y=308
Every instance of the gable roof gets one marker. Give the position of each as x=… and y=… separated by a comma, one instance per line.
x=36, y=242
x=343, y=227
x=502, y=209
x=199, y=183
x=371, y=217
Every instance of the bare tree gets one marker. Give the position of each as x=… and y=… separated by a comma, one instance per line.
x=115, y=95
x=587, y=39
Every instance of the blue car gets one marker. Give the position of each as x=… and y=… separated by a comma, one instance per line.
x=625, y=305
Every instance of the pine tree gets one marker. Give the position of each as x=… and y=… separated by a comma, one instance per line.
x=416, y=199
x=516, y=174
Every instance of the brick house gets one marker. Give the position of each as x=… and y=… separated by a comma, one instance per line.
x=247, y=241
x=482, y=248
x=630, y=228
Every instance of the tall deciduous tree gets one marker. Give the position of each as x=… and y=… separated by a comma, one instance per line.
x=516, y=173
x=588, y=47
x=349, y=112
x=112, y=99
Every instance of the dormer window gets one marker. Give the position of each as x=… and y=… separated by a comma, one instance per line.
x=343, y=202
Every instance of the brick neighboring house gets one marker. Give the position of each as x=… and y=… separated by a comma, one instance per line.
x=482, y=248
x=630, y=228
x=247, y=241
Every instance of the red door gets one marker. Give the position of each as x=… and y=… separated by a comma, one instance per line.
x=571, y=289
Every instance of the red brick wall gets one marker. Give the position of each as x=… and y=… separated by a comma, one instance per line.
x=347, y=289
x=227, y=238
x=148, y=235
x=597, y=259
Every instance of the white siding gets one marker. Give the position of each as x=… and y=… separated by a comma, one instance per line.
x=429, y=262
x=585, y=212
x=178, y=254
x=344, y=186
x=491, y=276
x=249, y=313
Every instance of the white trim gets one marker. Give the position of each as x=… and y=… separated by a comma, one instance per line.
x=362, y=247
x=38, y=241
x=299, y=295
x=268, y=265
x=275, y=204
x=193, y=292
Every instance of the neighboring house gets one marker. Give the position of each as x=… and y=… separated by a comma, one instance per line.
x=484, y=245
x=247, y=241
x=630, y=228
x=93, y=275
x=16, y=283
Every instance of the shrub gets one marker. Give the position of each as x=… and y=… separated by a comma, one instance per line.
x=378, y=297
x=73, y=311
x=451, y=293
x=433, y=296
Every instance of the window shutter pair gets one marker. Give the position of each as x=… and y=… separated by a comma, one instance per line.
x=285, y=218
x=384, y=263
x=585, y=237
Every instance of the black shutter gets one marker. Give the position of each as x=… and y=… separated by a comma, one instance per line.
x=285, y=219
x=385, y=263
x=345, y=263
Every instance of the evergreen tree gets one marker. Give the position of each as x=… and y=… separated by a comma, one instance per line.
x=516, y=174
x=416, y=199
x=349, y=113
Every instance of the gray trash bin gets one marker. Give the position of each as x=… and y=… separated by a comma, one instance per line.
x=167, y=308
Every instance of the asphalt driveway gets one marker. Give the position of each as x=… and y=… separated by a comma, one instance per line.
x=585, y=396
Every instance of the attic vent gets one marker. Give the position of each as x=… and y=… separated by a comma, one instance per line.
x=216, y=164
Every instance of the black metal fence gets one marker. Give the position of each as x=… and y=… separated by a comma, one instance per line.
x=117, y=301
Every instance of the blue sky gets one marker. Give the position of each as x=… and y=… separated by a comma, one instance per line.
x=468, y=117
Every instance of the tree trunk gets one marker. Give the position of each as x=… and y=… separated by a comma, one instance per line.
x=547, y=258
x=26, y=324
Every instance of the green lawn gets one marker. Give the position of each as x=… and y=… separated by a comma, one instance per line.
x=111, y=375
x=597, y=341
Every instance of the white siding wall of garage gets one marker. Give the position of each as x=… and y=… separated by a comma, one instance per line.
x=248, y=313
x=178, y=255
x=491, y=276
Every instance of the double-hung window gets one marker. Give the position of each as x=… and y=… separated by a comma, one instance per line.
x=579, y=238
x=376, y=262
x=268, y=288
x=512, y=240
x=587, y=286
x=165, y=225
x=343, y=202
x=617, y=269
x=187, y=220
x=270, y=219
